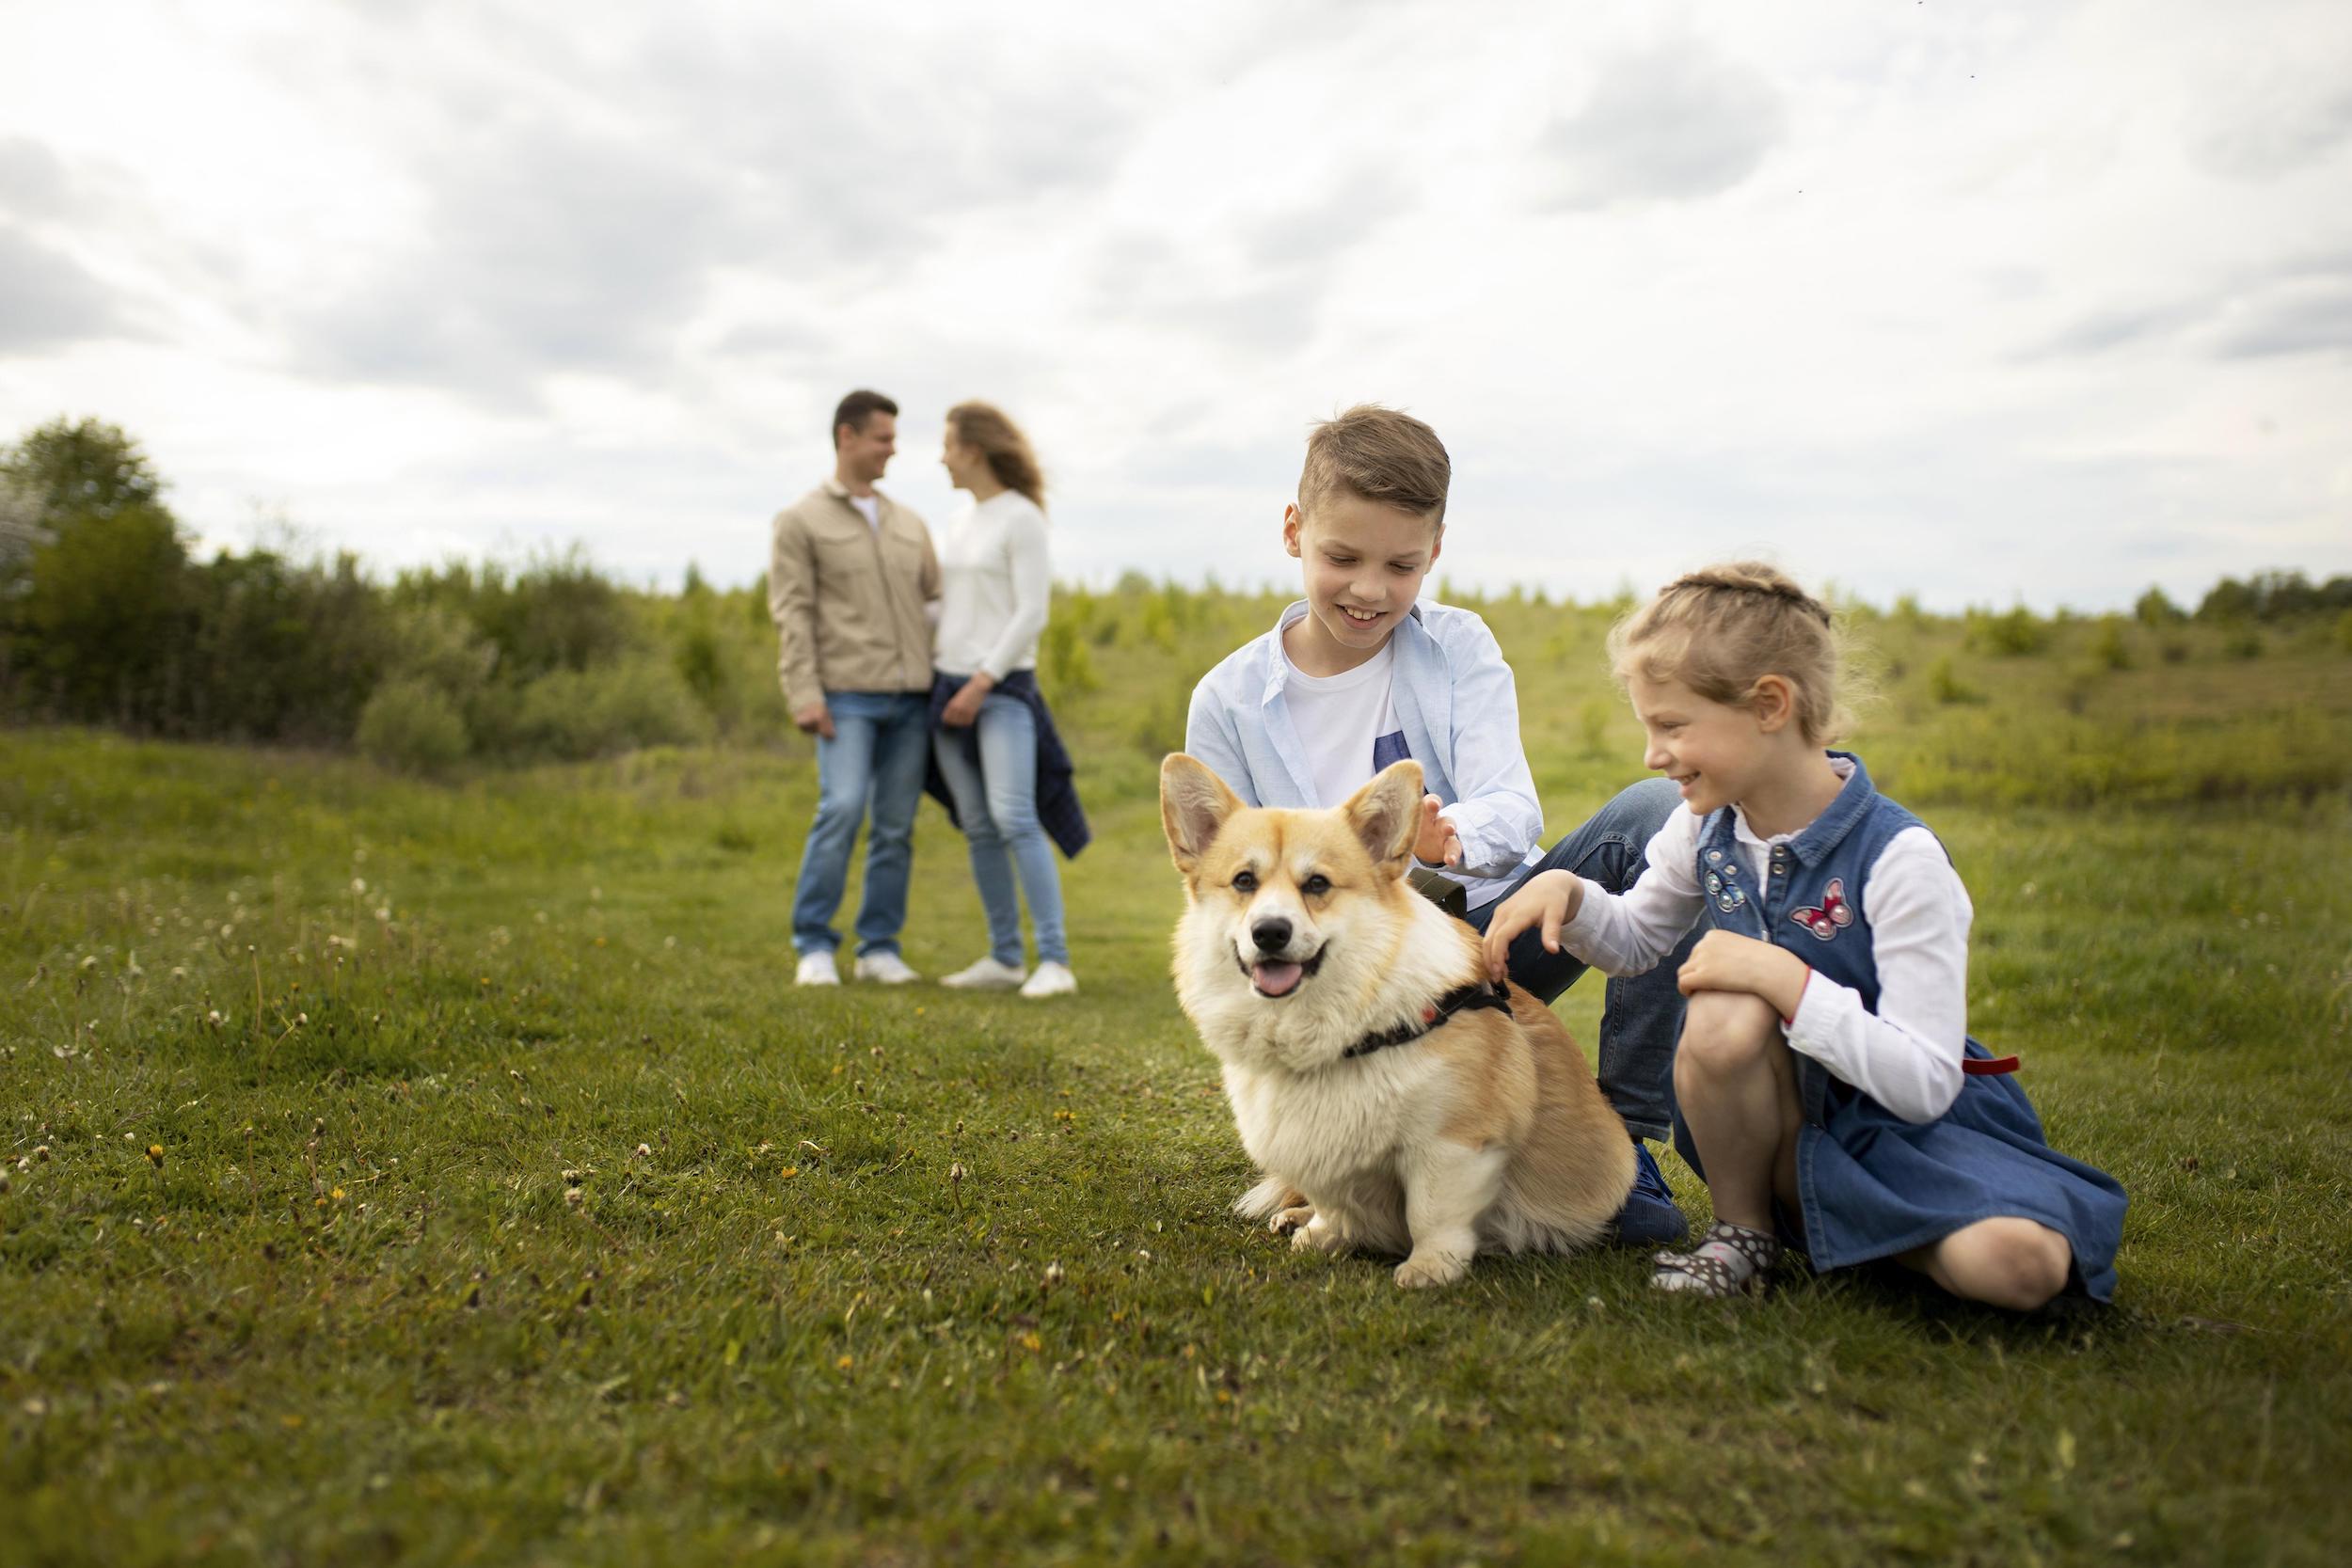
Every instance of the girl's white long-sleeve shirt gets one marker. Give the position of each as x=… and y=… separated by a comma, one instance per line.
x=1907, y=1054
x=996, y=586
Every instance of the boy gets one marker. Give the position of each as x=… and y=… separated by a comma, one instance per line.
x=1361, y=674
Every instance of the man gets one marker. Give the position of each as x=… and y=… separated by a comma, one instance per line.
x=853, y=585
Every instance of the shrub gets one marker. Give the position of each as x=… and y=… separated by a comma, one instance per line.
x=411, y=727
x=2015, y=634
x=2154, y=609
x=1946, y=687
x=102, y=618
x=2243, y=641
x=1592, y=719
x=575, y=714
x=2343, y=631
x=283, y=650
x=2107, y=648
x=1064, y=658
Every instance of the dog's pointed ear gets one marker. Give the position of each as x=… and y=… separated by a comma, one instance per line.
x=1193, y=804
x=1386, y=815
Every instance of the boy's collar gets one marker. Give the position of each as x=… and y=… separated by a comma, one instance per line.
x=1279, y=664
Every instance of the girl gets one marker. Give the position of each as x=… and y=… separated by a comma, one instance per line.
x=1825, y=1076
x=996, y=580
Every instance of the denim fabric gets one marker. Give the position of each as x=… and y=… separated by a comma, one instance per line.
x=882, y=741
x=1640, y=1016
x=996, y=806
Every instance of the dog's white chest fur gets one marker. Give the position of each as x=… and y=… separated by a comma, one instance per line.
x=1347, y=1122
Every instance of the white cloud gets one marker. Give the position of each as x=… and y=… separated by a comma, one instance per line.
x=1973, y=301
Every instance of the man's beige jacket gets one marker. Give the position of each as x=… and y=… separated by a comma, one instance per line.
x=850, y=600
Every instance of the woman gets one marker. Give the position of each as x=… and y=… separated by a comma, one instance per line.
x=995, y=585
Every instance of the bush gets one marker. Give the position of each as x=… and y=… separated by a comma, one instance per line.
x=1592, y=719
x=2155, y=609
x=1064, y=658
x=281, y=650
x=102, y=621
x=2014, y=635
x=411, y=727
x=2107, y=648
x=1946, y=687
x=639, y=702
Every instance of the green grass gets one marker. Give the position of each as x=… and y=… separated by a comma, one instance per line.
x=352, y=1317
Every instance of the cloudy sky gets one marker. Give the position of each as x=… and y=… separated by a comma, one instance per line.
x=1980, y=300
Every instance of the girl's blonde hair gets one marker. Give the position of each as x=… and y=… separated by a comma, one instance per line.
x=984, y=427
x=1720, y=629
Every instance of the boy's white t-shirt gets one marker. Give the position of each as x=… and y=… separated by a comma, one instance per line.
x=1346, y=723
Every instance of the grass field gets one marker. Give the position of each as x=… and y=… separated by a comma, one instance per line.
x=413, y=1173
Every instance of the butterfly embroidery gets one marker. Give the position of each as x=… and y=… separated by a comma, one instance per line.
x=1834, y=912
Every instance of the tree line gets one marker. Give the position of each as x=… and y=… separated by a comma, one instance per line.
x=107, y=617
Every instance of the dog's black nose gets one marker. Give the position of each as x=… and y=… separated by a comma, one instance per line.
x=1271, y=935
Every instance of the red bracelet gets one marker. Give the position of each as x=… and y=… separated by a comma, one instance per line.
x=1790, y=1021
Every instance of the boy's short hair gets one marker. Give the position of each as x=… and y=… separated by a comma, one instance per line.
x=1386, y=457
x=856, y=409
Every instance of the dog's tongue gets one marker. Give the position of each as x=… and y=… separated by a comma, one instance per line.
x=1276, y=979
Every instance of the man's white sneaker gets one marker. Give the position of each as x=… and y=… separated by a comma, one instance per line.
x=816, y=970
x=988, y=974
x=885, y=968
x=1050, y=979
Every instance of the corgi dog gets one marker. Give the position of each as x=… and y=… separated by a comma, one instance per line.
x=1395, y=1101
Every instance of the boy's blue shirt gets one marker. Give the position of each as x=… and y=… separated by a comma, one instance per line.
x=1456, y=701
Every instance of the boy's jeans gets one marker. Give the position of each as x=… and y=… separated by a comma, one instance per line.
x=996, y=803
x=1641, y=1017
x=882, y=741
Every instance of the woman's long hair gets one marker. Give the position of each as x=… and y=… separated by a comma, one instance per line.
x=984, y=427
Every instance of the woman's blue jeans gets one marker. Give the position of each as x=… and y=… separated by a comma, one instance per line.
x=1640, y=1016
x=997, y=805
x=876, y=758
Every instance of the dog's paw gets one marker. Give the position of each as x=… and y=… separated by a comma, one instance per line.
x=1318, y=1234
x=1290, y=1221
x=1423, y=1269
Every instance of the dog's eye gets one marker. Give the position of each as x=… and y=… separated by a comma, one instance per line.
x=1245, y=883
x=1315, y=886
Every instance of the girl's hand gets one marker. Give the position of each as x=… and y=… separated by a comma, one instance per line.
x=1549, y=899
x=1438, y=843
x=965, y=706
x=1724, y=960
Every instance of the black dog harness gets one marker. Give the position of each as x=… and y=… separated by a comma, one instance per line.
x=1467, y=999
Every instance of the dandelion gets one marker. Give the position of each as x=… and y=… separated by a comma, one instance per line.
x=574, y=1196
x=41, y=1153
x=156, y=1155
x=846, y=1363
x=1052, y=1276
x=645, y=1151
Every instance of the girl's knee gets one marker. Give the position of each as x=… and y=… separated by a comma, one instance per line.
x=1725, y=1031
x=2014, y=1263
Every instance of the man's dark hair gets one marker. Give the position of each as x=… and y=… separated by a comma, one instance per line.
x=857, y=409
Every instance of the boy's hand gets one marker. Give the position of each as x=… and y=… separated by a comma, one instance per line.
x=1549, y=899
x=1724, y=960
x=1439, y=843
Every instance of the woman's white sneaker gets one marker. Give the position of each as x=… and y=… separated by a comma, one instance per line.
x=988, y=974
x=1050, y=979
x=885, y=968
x=816, y=969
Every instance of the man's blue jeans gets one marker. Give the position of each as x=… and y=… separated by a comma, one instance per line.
x=1641, y=1017
x=996, y=803
x=875, y=758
